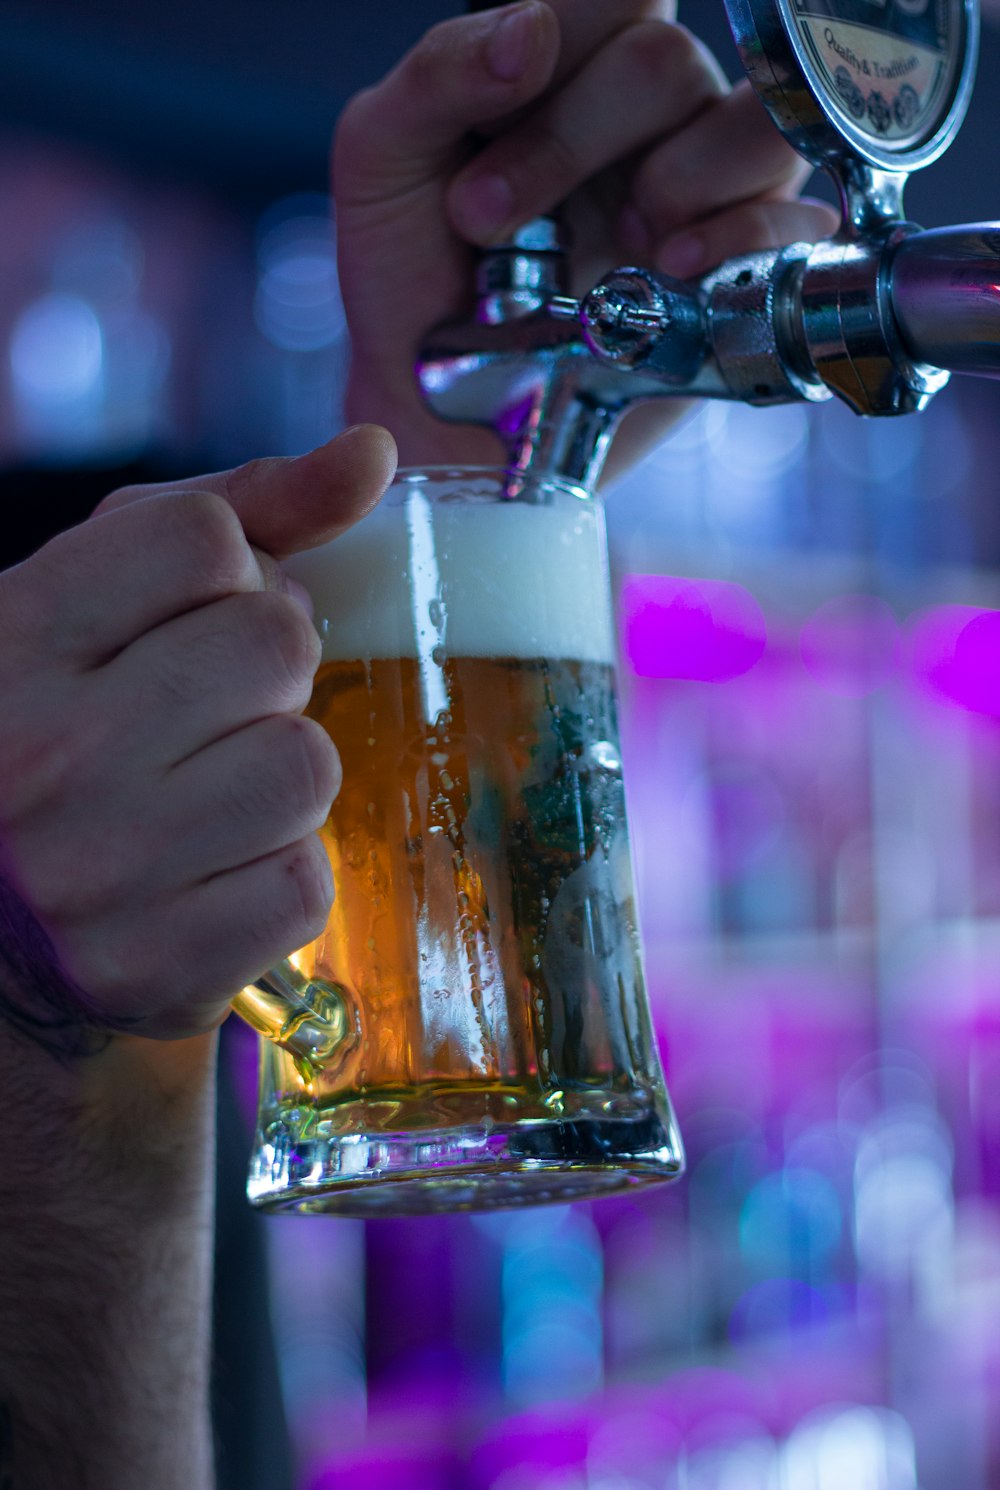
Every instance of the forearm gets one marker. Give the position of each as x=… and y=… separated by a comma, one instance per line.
x=106, y=1226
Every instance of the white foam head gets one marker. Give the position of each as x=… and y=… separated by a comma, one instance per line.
x=477, y=579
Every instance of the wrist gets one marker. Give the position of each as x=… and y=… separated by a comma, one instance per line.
x=133, y=1111
x=107, y=1195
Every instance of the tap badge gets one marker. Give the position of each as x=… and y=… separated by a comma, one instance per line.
x=889, y=68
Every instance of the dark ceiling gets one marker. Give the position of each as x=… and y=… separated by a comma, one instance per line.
x=241, y=96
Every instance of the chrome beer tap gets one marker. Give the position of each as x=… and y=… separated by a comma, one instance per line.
x=880, y=315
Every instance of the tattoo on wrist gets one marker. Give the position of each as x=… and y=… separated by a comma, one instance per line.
x=38, y=999
x=6, y=1448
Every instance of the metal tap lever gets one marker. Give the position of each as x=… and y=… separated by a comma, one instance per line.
x=877, y=316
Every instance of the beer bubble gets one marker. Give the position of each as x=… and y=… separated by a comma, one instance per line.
x=439, y=656
x=446, y=781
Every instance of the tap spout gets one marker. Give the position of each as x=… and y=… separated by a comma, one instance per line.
x=945, y=295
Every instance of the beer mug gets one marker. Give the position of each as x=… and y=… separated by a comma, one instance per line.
x=471, y=1029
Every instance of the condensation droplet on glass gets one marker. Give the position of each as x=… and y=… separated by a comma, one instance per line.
x=605, y=755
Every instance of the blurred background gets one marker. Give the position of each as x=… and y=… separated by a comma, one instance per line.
x=810, y=629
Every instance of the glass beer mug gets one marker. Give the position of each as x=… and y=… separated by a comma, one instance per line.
x=471, y=1029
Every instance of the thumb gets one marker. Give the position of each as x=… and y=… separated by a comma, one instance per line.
x=287, y=504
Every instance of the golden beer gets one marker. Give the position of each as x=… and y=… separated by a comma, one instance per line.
x=480, y=970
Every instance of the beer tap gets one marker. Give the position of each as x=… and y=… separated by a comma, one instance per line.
x=879, y=315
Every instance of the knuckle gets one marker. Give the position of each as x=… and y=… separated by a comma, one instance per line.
x=284, y=635
x=653, y=50
x=35, y=767
x=420, y=66
x=245, y=480
x=291, y=777
x=107, y=968
x=290, y=905
x=433, y=59
x=58, y=894
x=215, y=549
x=689, y=58
x=319, y=769
x=124, y=496
x=353, y=118
x=355, y=159
x=309, y=887
x=51, y=748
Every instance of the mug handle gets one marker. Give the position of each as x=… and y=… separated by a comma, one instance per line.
x=305, y=1018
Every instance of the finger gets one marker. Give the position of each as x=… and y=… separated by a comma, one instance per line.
x=586, y=27
x=286, y=504
x=399, y=135
x=730, y=153
x=668, y=78
x=151, y=553
x=746, y=228
x=209, y=672
x=95, y=588
x=179, y=964
x=248, y=795
x=245, y=921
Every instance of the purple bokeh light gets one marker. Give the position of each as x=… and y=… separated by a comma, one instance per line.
x=955, y=652
x=708, y=630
